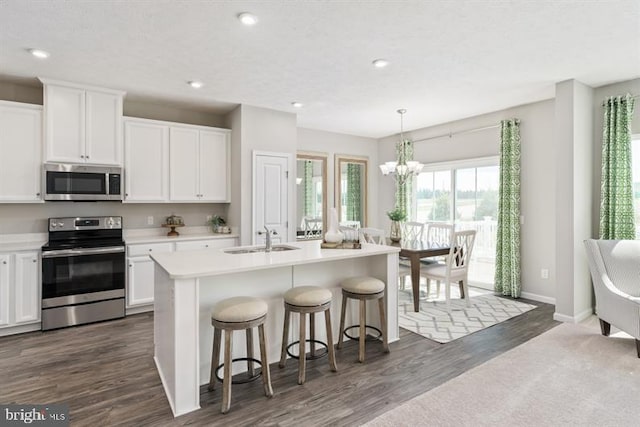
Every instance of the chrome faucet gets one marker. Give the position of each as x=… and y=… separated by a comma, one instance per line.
x=268, y=233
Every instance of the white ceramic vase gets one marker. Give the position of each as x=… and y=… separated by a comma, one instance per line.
x=333, y=234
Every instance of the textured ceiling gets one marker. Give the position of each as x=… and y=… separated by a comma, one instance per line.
x=448, y=59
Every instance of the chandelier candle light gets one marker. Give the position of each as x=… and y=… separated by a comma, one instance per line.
x=402, y=169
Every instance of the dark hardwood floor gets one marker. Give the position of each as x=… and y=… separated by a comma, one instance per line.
x=105, y=373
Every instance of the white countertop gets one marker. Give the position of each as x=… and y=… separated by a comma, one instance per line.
x=159, y=235
x=22, y=242
x=212, y=262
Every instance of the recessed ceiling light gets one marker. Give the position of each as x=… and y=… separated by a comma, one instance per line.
x=196, y=84
x=380, y=63
x=297, y=104
x=39, y=53
x=248, y=18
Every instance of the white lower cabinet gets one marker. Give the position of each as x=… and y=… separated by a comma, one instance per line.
x=140, y=270
x=19, y=290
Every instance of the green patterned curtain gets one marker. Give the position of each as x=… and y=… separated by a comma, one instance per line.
x=308, y=188
x=404, y=153
x=616, y=190
x=353, y=192
x=507, y=277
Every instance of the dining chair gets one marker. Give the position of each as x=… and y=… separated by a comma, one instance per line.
x=455, y=268
x=312, y=227
x=412, y=230
x=372, y=235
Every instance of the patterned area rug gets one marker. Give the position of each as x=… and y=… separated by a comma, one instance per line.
x=435, y=323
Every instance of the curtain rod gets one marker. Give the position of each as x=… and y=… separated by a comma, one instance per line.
x=450, y=134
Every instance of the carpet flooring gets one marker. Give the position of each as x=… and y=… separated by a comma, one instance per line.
x=433, y=321
x=569, y=376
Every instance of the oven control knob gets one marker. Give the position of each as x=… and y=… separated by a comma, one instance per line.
x=53, y=224
x=110, y=223
x=61, y=224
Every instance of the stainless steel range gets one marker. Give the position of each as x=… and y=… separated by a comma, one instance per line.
x=83, y=271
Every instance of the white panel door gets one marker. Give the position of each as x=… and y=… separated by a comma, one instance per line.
x=140, y=281
x=103, y=128
x=27, y=287
x=183, y=164
x=271, y=196
x=147, y=162
x=213, y=166
x=5, y=266
x=21, y=145
x=65, y=124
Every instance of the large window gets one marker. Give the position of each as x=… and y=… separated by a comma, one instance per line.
x=635, y=156
x=473, y=204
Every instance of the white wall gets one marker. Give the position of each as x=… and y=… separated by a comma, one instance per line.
x=537, y=179
x=330, y=143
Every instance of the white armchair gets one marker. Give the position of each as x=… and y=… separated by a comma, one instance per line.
x=615, y=271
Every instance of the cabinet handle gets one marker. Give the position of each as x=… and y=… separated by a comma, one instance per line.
x=34, y=260
x=86, y=157
x=130, y=265
x=206, y=246
x=4, y=262
x=150, y=250
x=81, y=156
x=126, y=194
x=38, y=194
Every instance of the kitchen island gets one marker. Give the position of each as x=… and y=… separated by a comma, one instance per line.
x=188, y=283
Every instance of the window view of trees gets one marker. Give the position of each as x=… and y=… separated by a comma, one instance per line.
x=473, y=205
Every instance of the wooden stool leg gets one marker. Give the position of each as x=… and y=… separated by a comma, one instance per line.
x=302, y=360
x=226, y=382
x=330, y=349
x=312, y=333
x=266, y=374
x=285, y=337
x=363, y=330
x=215, y=357
x=249, y=333
x=343, y=313
x=383, y=325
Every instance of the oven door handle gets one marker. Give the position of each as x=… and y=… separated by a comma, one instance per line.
x=80, y=252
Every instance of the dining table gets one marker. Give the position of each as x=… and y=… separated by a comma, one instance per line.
x=415, y=250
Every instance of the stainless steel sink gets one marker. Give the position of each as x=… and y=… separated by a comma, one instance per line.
x=256, y=249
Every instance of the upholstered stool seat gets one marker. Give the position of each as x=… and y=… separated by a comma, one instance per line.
x=307, y=300
x=363, y=288
x=230, y=315
x=363, y=285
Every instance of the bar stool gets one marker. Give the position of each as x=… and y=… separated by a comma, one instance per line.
x=303, y=300
x=363, y=288
x=234, y=314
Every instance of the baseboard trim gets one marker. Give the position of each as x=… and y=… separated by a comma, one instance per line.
x=573, y=319
x=539, y=298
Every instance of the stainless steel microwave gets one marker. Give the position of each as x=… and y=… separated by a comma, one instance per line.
x=82, y=183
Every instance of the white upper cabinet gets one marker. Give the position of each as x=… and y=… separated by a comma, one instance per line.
x=146, y=145
x=199, y=164
x=184, y=153
x=83, y=124
x=20, y=152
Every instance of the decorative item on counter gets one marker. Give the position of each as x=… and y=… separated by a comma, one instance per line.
x=396, y=216
x=333, y=235
x=172, y=222
x=218, y=225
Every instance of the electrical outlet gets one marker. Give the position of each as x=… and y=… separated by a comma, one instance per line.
x=544, y=273
x=209, y=217
x=521, y=219
x=149, y=220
